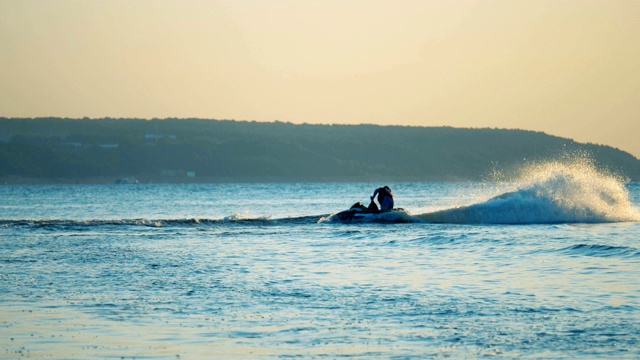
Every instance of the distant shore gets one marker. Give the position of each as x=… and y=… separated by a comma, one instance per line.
x=53, y=150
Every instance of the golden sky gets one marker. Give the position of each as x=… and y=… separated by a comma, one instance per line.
x=566, y=67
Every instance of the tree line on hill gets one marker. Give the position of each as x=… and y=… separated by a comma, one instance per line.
x=180, y=150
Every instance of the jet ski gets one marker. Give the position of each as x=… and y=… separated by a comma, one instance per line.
x=359, y=212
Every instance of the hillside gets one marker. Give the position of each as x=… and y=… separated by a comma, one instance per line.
x=197, y=150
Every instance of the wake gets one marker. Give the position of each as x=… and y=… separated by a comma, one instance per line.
x=550, y=193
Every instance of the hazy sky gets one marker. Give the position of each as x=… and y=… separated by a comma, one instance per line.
x=568, y=68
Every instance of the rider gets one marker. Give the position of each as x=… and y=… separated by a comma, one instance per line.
x=385, y=198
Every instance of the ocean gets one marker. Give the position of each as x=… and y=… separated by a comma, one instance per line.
x=546, y=266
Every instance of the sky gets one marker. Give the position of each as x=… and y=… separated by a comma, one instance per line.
x=568, y=68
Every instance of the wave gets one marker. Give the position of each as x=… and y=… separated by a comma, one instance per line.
x=62, y=224
x=602, y=251
x=550, y=193
x=80, y=224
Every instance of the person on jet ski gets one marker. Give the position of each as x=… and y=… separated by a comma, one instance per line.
x=385, y=198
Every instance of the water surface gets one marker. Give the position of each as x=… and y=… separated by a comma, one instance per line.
x=262, y=271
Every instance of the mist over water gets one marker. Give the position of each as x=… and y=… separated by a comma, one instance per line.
x=548, y=193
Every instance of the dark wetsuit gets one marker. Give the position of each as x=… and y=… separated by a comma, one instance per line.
x=385, y=198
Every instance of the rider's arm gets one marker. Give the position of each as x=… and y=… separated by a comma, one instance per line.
x=375, y=193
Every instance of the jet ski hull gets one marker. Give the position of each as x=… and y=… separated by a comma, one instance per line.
x=357, y=215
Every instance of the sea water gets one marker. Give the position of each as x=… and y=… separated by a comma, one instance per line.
x=547, y=266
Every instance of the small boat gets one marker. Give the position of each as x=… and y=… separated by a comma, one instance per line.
x=128, y=180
